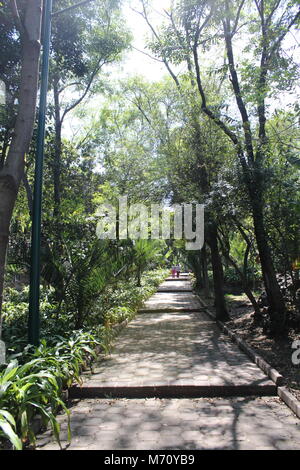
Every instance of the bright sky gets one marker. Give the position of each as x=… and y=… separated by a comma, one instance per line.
x=137, y=63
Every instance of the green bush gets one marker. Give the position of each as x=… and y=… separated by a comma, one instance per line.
x=232, y=277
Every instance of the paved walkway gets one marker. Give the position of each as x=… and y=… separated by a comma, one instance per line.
x=161, y=387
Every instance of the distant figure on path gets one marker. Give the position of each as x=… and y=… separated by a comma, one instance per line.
x=173, y=271
x=178, y=270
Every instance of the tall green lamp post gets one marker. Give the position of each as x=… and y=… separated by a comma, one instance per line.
x=34, y=293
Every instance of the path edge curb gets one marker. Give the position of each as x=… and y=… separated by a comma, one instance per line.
x=282, y=391
x=289, y=400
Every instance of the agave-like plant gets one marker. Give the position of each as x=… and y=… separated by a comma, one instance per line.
x=25, y=392
x=8, y=429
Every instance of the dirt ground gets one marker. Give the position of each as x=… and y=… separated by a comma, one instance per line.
x=277, y=352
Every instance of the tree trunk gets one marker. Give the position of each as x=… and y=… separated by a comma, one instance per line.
x=199, y=274
x=13, y=168
x=196, y=263
x=5, y=144
x=205, y=272
x=29, y=194
x=274, y=295
x=253, y=176
x=220, y=304
x=244, y=280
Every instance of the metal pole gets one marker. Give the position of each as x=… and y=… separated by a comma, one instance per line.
x=34, y=295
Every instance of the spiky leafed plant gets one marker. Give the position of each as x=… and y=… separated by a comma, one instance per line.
x=145, y=252
x=92, y=269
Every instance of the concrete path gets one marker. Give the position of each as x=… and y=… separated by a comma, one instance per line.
x=172, y=349
x=161, y=387
x=198, y=423
x=179, y=286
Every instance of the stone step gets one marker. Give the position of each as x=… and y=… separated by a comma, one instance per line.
x=171, y=309
x=172, y=391
x=170, y=290
x=180, y=286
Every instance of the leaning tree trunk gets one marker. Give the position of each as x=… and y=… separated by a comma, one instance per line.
x=274, y=295
x=252, y=169
x=12, y=172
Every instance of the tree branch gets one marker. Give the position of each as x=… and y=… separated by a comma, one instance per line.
x=16, y=16
x=233, y=137
x=67, y=86
x=236, y=86
x=87, y=88
x=269, y=17
x=145, y=16
x=282, y=36
x=236, y=21
x=148, y=55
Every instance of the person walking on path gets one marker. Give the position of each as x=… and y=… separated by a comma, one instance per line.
x=173, y=271
x=178, y=270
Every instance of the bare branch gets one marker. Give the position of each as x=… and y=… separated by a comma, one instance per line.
x=236, y=86
x=199, y=28
x=269, y=17
x=284, y=33
x=87, y=88
x=204, y=106
x=237, y=18
x=164, y=60
x=259, y=7
x=67, y=86
x=139, y=107
x=148, y=55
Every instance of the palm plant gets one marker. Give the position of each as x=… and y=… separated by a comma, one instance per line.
x=93, y=269
x=146, y=252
